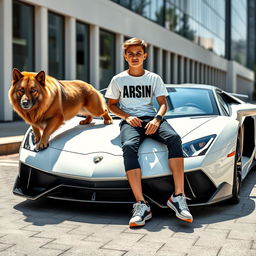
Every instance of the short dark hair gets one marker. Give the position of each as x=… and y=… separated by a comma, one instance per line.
x=134, y=41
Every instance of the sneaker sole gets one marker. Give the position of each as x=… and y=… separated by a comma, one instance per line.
x=141, y=223
x=169, y=204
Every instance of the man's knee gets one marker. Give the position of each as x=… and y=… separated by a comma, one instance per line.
x=175, y=139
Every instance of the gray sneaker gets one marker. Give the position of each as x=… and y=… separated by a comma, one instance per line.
x=179, y=205
x=141, y=213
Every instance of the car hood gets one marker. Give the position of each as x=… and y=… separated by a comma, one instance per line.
x=97, y=137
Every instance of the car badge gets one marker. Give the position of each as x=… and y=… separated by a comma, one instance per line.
x=97, y=159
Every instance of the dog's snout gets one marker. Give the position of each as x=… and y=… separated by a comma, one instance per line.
x=25, y=104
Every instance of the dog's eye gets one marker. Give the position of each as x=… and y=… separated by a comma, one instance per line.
x=21, y=90
x=33, y=90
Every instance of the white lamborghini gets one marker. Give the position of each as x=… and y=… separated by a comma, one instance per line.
x=85, y=163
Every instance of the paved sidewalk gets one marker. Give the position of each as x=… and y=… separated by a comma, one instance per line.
x=61, y=228
x=11, y=135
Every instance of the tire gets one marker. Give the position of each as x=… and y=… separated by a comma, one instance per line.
x=235, y=199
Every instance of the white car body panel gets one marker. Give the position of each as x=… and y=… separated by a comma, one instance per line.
x=64, y=159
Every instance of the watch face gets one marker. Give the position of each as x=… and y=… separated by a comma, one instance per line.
x=158, y=117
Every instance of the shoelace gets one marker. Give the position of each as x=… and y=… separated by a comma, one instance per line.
x=183, y=203
x=138, y=209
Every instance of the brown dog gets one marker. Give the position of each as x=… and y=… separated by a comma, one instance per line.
x=44, y=102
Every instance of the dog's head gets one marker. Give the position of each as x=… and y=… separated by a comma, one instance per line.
x=27, y=89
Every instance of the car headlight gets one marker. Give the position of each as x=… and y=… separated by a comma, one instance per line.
x=198, y=147
x=29, y=142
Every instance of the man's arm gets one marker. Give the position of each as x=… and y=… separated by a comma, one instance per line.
x=153, y=125
x=131, y=120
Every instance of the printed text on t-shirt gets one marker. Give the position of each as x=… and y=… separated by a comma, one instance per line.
x=136, y=91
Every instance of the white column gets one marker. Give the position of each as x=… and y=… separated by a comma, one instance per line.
x=175, y=68
x=181, y=69
x=41, y=39
x=160, y=62
x=5, y=58
x=168, y=67
x=150, y=58
x=119, y=53
x=231, y=78
x=95, y=56
x=70, y=48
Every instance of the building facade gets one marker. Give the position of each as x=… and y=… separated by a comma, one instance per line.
x=81, y=39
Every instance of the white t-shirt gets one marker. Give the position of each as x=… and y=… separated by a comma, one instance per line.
x=135, y=93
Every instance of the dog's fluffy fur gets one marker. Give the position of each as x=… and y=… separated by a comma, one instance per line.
x=45, y=103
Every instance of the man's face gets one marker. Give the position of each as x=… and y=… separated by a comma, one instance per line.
x=135, y=56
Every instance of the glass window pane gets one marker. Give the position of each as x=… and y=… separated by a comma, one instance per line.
x=107, y=57
x=155, y=59
x=23, y=36
x=164, y=67
x=82, y=51
x=56, y=59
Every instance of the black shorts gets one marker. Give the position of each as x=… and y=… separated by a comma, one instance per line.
x=132, y=137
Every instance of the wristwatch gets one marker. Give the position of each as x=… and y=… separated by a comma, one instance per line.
x=159, y=118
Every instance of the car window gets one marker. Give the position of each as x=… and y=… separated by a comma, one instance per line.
x=190, y=102
x=223, y=104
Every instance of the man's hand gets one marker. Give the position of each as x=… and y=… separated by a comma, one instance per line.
x=152, y=126
x=133, y=121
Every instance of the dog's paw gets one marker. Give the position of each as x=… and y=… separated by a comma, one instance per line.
x=107, y=121
x=36, y=140
x=41, y=146
x=86, y=121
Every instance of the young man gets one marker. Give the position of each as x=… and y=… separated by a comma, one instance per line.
x=134, y=89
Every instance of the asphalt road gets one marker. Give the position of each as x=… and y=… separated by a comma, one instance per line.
x=49, y=227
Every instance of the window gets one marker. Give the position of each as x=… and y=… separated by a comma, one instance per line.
x=56, y=58
x=23, y=36
x=107, y=57
x=191, y=102
x=164, y=67
x=23, y=39
x=82, y=51
x=155, y=59
x=172, y=68
x=224, y=106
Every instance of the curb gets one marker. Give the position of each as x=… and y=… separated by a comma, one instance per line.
x=10, y=145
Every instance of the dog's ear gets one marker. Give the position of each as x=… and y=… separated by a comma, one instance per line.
x=16, y=75
x=40, y=77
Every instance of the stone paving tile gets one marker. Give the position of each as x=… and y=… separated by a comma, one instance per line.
x=5, y=246
x=160, y=236
x=93, y=252
x=170, y=253
x=202, y=251
x=144, y=248
x=236, y=252
x=123, y=241
x=254, y=245
x=181, y=244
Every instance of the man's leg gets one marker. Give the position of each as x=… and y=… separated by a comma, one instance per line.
x=134, y=178
x=131, y=138
x=177, y=167
x=177, y=202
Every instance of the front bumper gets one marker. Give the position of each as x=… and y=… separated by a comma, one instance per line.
x=33, y=184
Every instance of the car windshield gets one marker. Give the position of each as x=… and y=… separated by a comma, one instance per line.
x=190, y=102
x=183, y=102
